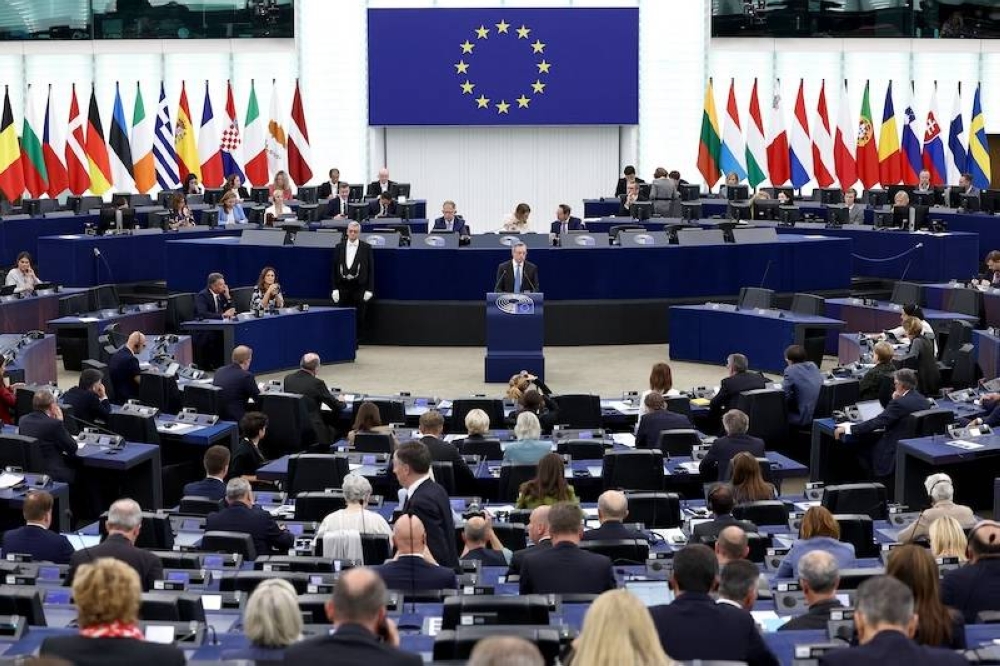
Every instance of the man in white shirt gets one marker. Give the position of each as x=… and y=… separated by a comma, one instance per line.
x=383, y=184
x=353, y=274
x=338, y=207
x=329, y=189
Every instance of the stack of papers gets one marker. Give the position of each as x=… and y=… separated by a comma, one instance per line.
x=623, y=407
x=964, y=444
x=690, y=466
x=624, y=438
x=8, y=480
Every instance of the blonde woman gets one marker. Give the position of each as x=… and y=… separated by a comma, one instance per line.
x=948, y=539
x=518, y=222
x=618, y=630
x=272, y=621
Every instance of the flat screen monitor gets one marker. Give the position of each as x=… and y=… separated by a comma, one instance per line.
x=691, y=210
x=775, y=191
x=969, y=203
x=765, y=209
x=737, y=192
x=901, y=217
x=357, y=193
x=307, y=195
x=923, y=198
x=403, y=190
x=641, y=210
x=689, y=192
x=876, y=198
x=831, y=195
x=837, y=215
x=260, y=195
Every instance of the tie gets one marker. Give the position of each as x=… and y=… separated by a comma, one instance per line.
x=565, y=228
x=216, y=297
x=517, y=278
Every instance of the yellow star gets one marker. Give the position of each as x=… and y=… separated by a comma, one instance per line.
x=538, y=47
x=543, y=67
x=461, y=67
x=538, y=87
x=502, y=107
x=523, y=102
x=522, y=32
x=482, y=102
x=482, y=32
x=467, y=88
x=502, y=27
x=467, y=46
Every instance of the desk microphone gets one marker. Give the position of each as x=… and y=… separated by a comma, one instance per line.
x=111, y=276
x=767, y=269
x=530, y=283
x=907, y=269
x=503, y=274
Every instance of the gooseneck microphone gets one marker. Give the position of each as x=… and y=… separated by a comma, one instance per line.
x=111, y=276
x=767, y=269
x=503, y=274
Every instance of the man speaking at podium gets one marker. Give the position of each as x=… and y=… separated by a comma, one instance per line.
x=517, y=275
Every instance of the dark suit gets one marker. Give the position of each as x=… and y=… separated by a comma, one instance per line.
x=338, y=206
x=246, y=460
x=815, y=618
x=505, y=277
x=622, y=186
x=973, y=588
x=238, y=386
x=566, y=569
x=921, y=358
x=375, y=189
x=442, y=451
x=710, y=529
x=517, y=559
x=457, y=225
x=43, y=545
x=55, y=449
x=351, y=645
x=891, y=647
x=647, y=436
x=375, y=209
x=147, y=565
x=205, y=308
x=208, y=344
x=123, y=367
x=238, y=517
x=429, y=502
x=489, y=557
x=327, y=189
x=695, y=627
x=316, y=394
x=627, y=212
x=412, y=572
x=572, y=224
x=730, y=389
x=83, y=651
x=86, y=405
x=802, y=382
x=613, y=530
x=209, y=487
x=883, y=455
x=352, y=282
x=715, y=464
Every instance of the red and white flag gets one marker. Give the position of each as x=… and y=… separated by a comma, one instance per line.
x=822, y=140
x=75, y=156
x=844, y=144
x=299, y=153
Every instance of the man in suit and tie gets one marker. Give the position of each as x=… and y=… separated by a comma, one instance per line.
x=715, y=464
x=123, y=368
x=353, y=274
x=425, y=499
x=56, y=448
x=316, y=394
x=565, y=568
x=694, y=626
x=720, y=502
x=431, y=428
x=631, y=196
x=517, y=275
x=855, y=211
x=564, y=223
x=924, y=182
x=449, y=221
x=36, y=538
x=212, y=302
x=363, y=634
x=538, y=535
x=242, y=515
x=991, y=278
x=383, y=206
x=880, y=459
x=885, y=624
x=409, y=571
x=802, y=382
x=237, y=383
x=968, y=189
x=383, y=184
x=338, y=206
x=975, y=587
x=213, y=486
x=657, y=419
x=123, y=524
x=331, y=187
x=89, y=398
x=740, y=379
x=612, y=509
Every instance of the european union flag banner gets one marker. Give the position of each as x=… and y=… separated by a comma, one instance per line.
x=509, y=66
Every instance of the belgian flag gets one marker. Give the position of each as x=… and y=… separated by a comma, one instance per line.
x=11, y=172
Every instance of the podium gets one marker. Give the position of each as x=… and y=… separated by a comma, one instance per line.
x=515, y=335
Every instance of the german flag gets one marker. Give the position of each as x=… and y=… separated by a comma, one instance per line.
x=98, y=162
x=11, y=173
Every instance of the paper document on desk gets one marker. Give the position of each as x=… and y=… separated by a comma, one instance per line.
x=690, y=466
x=88, y=320
x=8, y=480
x=964, y=444
x=623, y=407
x=444, y=404
x=624, y=438
x=177, y=428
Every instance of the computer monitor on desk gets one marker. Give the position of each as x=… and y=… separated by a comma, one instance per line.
x=924, y=198
x=737, y=192
x=876, y=198
x=969, y=203
x=837, y=215
x=765, y=209
x=830, y=195
x=689, y=192
x=641, y=210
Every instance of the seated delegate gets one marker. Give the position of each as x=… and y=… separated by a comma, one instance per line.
x=230, y=209
x=267, y=292
x=549, y=485
x=22, y=276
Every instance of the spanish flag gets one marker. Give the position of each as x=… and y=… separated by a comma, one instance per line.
x=184, y=141
x=99, y=165
x=11, y=174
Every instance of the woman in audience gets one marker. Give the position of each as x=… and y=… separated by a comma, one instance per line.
x=819, y=531
x=180, y=215
x=948, y=539
x=267, y=293
x=247, y=458
x=618, y=629
x=22, y=276
x=355, y=516
x=477, y=427
x=937, y=625
x=518, y=222
x=522, y=382
x=272, y=621
x=910, y=310
x=748, y=483
x=543, y=407
x=921, y=357
x=368, y=419
x=549, y=485
x=235, y=184
x=281, y=182
x=192, y=186
x=230, y=210
x=661, y=380
x=107, y=594
x=941, y=492
x=872, y=380
x=528, y=447
x=277, y=210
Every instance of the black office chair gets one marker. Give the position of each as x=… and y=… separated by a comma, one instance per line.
x=930, y=422
x=170, y=606
x=375, y=548
x=315, y=471
x=203, y=398
x=633, y=470
x=23, y=397
x=654, y=509
x=858, y=498
x=314, y=505
x=506, y=609
x=19, y=451
x=389, y=411
x=678, y=443
x=372, y=442
x=859, y=530
x=680, y=405
x=134, y=427
x=444, y=474
x=768, y=415
x=156, y=532
x=488, y=449
x=239, y=543
x=619, y=551
x=457, y=644
x=511, y=478
x=966, y=301
x=288, y=425
x=959, y=333
x=766, y=512
x=103, y=297
x=461, y=407
x=199, y=506
x=845, y=392
x=581, y=449
x=758, y=544
x=160, y=391
x=247, y=581
x=241, y=298
x=312, y=607
x=616, y=230
x=579, y=411
x=180, y=308
x=751, y=298
x=808, y=304
x=906, y=292
x=963, y=374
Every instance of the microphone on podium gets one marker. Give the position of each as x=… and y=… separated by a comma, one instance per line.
x=502, y=275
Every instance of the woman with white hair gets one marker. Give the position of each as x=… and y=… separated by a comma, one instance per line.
x=355, y=516
x=528, y=447
x=941, y=492
x=272, y=621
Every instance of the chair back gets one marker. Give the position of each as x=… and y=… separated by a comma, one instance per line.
x=288, y=425
x=343, y=545
x=203, y=398
x=241, y=298
x=963, y=372
x=315, y=471
x=444, y=475
x=679, y=405
x=488, y=449
x=870, y=499
x=376, y=548
x=767, y=512
x=19, y=451
x=808, y=304
x=619, y=551
x=906, y=292
x=134, y=427
x=158, y=390
x=461, y=407
x=655, y=509
x=180, y=308
x=221, y=541
x=679, y=442
x=768, y=415
x=752, y=298
x=511, y=478
x=581, y=449
x=959, y=334
x=373, y=442
x=859, y=530
x=633, y=470
x=315, y=505
x=199, y=506
x=579, y=411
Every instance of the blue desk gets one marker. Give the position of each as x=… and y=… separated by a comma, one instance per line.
x=13, y=500
x=329, y=332
x=18, y=236
x=871, y=319
x=973, y=471
x=31, y=313
x=37, y=358
x=85, y=330
x=987, y=353
x=134, y=472
x=707, y=334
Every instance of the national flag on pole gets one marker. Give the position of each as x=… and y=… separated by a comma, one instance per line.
x=979, y=149
x=122, y=169
x=75, y=154
x=164, y=154
x=733, y=151
x=911, y=158
x=709, y=145
x=99, y=164
x=801, y=146
x=184, y=141
x=210, y=145
x=53, y=145
x=756, y=148
x=888, y=144
x=299, y=152
x=867, y=151
x=822, y=142
x=844, y=144
x=11, y=174
x=144, y=165
x=232, y=145
x=254, y=146
x=36, y=177
x=957, y=143
x=777, y=148
x=277, y=139
x=934, y=160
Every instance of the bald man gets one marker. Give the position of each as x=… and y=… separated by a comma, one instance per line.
x=409, y=570
x=123, y=367
x=482, y=543
x=238, y=385
x=316, y=394
x=612, y=509
x=383, y=184
x=538, y=534
x=731, y=545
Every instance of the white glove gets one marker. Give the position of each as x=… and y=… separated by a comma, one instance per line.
x=335, y=295
x=367, y=296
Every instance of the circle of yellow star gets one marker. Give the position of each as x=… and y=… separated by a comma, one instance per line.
x=538, y=46
x=461, y=67
x=538, y=87
x=543, y=67
x=482, y=32
x=503, y=107
x=522, y=32
x=523, y=102
x=482, y=102
x=467, y=46
x=502, y=26
x=467, y=87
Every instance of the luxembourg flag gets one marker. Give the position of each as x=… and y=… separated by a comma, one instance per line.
x=822, y=144
x=801, y=148
x=934, y=145
x=733, y=149
x=912, y=159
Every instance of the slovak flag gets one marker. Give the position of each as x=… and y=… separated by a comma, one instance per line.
x=934, y=144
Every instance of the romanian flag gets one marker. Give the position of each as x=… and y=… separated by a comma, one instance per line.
x=187, y=147
x=11, y=175
x=889, y=169
x=710, y=147
x=867, y=155
x=99, y=164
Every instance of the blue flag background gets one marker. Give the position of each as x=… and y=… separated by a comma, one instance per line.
x=509, y=66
